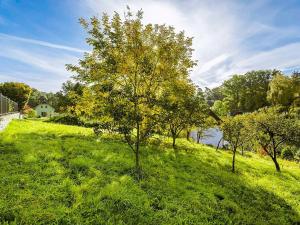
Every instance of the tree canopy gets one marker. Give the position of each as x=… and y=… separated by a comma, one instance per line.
x=129, y=67
x=18, y=92
x=273, y=129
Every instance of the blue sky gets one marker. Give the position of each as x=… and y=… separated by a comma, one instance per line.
x=37, y=38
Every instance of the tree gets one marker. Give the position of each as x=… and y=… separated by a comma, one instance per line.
x=202, y=125
x=18, y=92
x=34, y=98
x=236, y=133
x=214, y=94
x=284, y=90
x=183, y=107
x=248, y=92
x=67, y=99
x=38, y=97
x=221, y=108
x=273, y=129
x=128, y=68
x=233, y=90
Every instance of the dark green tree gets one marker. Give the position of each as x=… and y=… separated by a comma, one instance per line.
x=67, y=99
x=285, y=91
x=18, y=92
x=248, y=92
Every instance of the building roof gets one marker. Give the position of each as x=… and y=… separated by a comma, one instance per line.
x=44, y=104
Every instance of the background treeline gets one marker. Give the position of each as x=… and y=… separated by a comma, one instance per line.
x=254, y=90
x=28, y=98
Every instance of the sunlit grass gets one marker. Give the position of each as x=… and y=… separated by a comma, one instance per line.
x=56, y=174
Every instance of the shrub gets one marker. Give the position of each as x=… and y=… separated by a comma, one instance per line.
x=29, y=112
x=289, y=152
x=67, y=120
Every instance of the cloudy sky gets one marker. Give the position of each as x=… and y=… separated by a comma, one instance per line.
x=37, y=38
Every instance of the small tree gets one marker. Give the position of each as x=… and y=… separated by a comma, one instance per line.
x=236, y=133
x=18, y=92
x=202, y=125
x=221, y=108
x=273, y=129
x=128, y=69
x=183, y=107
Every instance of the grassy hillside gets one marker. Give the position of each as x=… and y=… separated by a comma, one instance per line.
x=56, y=174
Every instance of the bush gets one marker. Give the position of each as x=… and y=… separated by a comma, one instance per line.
x=289, y=152
x=29, y=112
x=67, y=120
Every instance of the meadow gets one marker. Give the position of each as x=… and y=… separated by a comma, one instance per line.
x=58, y=174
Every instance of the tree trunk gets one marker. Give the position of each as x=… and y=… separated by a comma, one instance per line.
x=137, y=160
x=242, y=150
x=233, y=161
x=198, y=137
x=174, y=141
x=276, y=164
x=219, y=144
x=188, y=135
x=137, y=152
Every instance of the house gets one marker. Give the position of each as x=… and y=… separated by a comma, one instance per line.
x=44, y=110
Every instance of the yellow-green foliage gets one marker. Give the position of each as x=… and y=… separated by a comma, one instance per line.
x=57, y=174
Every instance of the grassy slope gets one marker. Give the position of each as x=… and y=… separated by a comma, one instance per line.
x=61, y=174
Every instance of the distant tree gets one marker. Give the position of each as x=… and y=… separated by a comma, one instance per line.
x=284, y=90
x=221, y=108
x=18, y=92
x=214, y=94
x=67, y=99
x=182, y=108
x=127, y=70
x=257, y=85
x=202, y=125
x=272, y=129
x=296, y=85
x=236, y=133
x=38, y=97
x=234, y=90
x=34, y=98
x=248, y=92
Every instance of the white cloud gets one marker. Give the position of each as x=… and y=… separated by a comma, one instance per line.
x=38, y=63
x=41, y=43
x=54, y=64
x=287, y=56
x=228, y=35
x=45, y=83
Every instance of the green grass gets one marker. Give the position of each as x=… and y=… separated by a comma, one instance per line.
x=56, y=174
